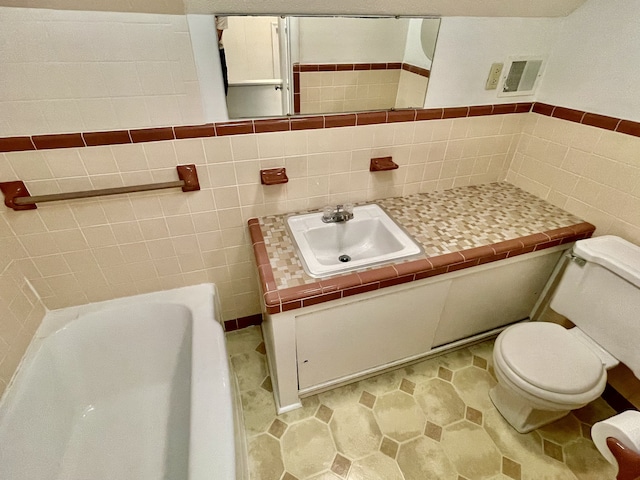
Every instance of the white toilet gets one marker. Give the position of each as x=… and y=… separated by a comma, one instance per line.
x=544, y=370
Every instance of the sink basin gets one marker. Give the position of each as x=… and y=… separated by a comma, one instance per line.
x=370, y=238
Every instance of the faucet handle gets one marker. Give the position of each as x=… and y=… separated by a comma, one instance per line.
x=327, y=212
x=348, y=207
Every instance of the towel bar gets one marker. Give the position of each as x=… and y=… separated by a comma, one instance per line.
x=17, y=197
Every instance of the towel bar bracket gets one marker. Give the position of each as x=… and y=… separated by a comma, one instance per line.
x=12, y=192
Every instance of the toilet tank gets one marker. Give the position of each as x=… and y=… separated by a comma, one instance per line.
x=602, y=295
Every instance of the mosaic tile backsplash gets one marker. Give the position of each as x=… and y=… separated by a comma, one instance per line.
x=443, y=222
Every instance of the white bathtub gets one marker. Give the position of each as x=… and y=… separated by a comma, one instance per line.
x=134, y=388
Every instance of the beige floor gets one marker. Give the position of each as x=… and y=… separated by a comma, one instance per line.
x=431, y=420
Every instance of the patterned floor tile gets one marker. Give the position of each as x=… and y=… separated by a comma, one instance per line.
x=472, y=384
x=309, y=408
x=259, y=410
x=408, y=424
x=250, y=368
x=471, y=450
x=375, y=467
x=585, y=461
x=341, y=466
x=355, y=431
x=389, y=447
x=307, y=448
x=265, y=458
x=424, y=458
x=440, y=401
x=399, y=416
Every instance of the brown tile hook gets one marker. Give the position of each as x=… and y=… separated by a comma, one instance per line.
x=382, y=164
x=273, y=176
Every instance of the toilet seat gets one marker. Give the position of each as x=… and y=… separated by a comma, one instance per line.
x=547, y=363
x=549, y=357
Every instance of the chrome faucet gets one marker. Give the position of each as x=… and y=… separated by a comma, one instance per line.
x=341, y=214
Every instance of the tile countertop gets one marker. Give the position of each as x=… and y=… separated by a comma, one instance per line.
x=458, y=228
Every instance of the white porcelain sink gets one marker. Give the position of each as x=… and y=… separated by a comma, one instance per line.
x=370, y=238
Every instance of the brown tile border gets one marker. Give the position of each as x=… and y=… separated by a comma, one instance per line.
x=271, y=125
x=151, y=134
x=307, y=123
x=429, y=114
x=354, y=283
x=628, y=127
x=244, y=127
x=63, y=140
x=341, y=120
x=16, y=144
x=480, y=110
x=195, y=131
x=600, y=121
x=116, y=137
x=350, y=67
x=614, y=124
x=408, y=115
x=423, y=72
x=234, y=128
x=456, y=112
x=242, y=322
x=371, y=118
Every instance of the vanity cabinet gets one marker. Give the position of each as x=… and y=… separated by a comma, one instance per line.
x=315, y=348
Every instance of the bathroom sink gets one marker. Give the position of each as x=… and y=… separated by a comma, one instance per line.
x=371, y=237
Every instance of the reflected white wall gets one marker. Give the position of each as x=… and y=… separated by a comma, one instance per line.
x=467, y=47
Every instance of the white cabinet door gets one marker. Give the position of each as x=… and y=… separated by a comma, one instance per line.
x=488, y=299
x=345, y=339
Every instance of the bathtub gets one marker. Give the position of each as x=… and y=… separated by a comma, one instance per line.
x=134, y=388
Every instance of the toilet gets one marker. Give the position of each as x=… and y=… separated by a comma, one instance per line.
x=545, y=370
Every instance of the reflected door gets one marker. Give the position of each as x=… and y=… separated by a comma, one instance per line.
x=253, y=50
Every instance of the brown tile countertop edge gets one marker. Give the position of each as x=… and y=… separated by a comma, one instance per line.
x=333, y=288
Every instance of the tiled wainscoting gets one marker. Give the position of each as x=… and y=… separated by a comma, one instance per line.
x=584, y=167
x=68, y=71
x=88, y=250
x=346, y=87
x=21, y=312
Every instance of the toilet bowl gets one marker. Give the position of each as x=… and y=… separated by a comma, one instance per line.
x=544, y=371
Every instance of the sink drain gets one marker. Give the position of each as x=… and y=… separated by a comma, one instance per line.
x=344, y=258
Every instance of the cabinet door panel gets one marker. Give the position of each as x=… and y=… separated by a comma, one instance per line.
x=492, y=298
x=345, y=339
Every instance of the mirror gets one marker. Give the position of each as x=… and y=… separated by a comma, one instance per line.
x=313, y=65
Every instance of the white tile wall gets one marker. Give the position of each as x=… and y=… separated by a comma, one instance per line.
x=88, y=250
x=70, y=71
x=21, y=312
x=348, y=91
x=590, y=172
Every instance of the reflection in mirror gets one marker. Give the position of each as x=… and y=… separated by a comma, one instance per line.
x=312, y=65
x=256, y=56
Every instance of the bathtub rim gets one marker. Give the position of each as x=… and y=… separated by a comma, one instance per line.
x=209, y=358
